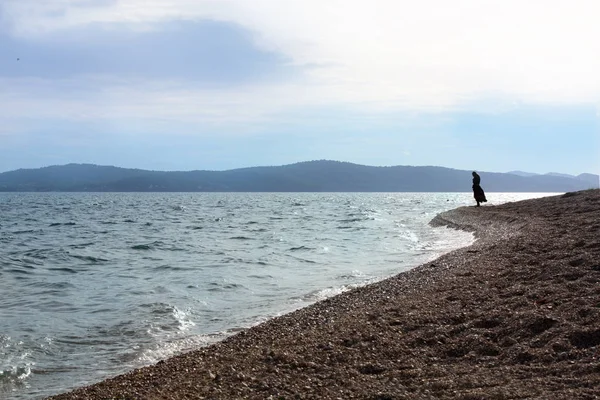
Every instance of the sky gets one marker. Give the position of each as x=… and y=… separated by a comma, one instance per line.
x=487, y=85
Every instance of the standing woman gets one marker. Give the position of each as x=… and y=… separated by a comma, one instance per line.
x=477, y=190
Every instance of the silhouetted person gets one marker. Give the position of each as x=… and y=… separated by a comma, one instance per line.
x=477, y=190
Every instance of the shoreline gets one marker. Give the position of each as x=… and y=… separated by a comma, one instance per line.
x=514, y=315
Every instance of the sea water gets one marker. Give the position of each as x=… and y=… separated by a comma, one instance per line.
x=95, y=284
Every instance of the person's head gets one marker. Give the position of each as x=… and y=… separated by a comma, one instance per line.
x=474, y=173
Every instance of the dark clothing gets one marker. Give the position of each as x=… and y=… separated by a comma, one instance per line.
x=478, y=192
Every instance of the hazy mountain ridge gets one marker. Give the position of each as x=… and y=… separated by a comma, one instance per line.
x=309, y=176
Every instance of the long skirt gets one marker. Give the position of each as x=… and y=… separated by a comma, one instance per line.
x=479, y=194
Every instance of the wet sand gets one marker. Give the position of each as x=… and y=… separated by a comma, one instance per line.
x=514, y=316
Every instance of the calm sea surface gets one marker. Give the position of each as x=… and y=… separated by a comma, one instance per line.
x=93, y=285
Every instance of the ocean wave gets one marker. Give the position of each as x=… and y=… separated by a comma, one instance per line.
x=22, y=232
x=301, y=248
x=349, y=220
x=63, y=269
x=224, y=286
x=13, y=375
x=90, y=259
x=147, y=246
x=170, y=347
x=322, y=294
x=167, y=267
x=352, y=275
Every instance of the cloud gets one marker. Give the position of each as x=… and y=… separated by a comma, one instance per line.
x=203, y=51
x=376, y=56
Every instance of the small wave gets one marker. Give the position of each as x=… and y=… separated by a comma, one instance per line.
x=345, y=221
x=18, y=271
x=300, y=248
x=168, y=349
x=408, y=235
x=128, y=220
x=240, y=238
x=81, y=245
x=167, y=267
x=304, y=260
x=63, y=269
x=26, y=231
x=24, y=262
x=233, y=260
x=158, y=308
x=141, y=247
x=173, y=248
x=62, y=224
x=147, y=246
x=182, y=319
x=352, y=228
x=53, y=370
x=91, y=259
x=15, y=374
x=83, y=341
x=322, y=294
x=352, y=275
x=220, y=286
x=39, y=254
x=266, y=276
x=165, y=317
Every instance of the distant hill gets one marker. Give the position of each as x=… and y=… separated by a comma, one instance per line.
x=559, y=174
x=522, y=173
x=590, y=179
x=310, y=176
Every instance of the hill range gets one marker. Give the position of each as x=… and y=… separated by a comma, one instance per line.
x=310, y=176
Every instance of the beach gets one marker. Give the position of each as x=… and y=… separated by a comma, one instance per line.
x=515, y=315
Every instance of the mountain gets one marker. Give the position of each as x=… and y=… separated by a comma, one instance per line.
x=522, y=173
x=310, y=176
x=559, y=174
x=590, y=179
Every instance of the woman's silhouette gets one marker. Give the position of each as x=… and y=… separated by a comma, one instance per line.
x=477, y=190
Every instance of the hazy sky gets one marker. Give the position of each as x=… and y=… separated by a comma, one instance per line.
x=220, y=84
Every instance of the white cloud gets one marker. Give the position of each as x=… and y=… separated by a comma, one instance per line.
x=376, y=54
x=99, y=98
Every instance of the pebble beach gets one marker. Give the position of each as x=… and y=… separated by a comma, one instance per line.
x=516, y=315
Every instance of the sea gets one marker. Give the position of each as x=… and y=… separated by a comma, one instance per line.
x=96, y=284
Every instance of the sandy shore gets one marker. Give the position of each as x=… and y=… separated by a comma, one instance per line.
x=514, y=316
